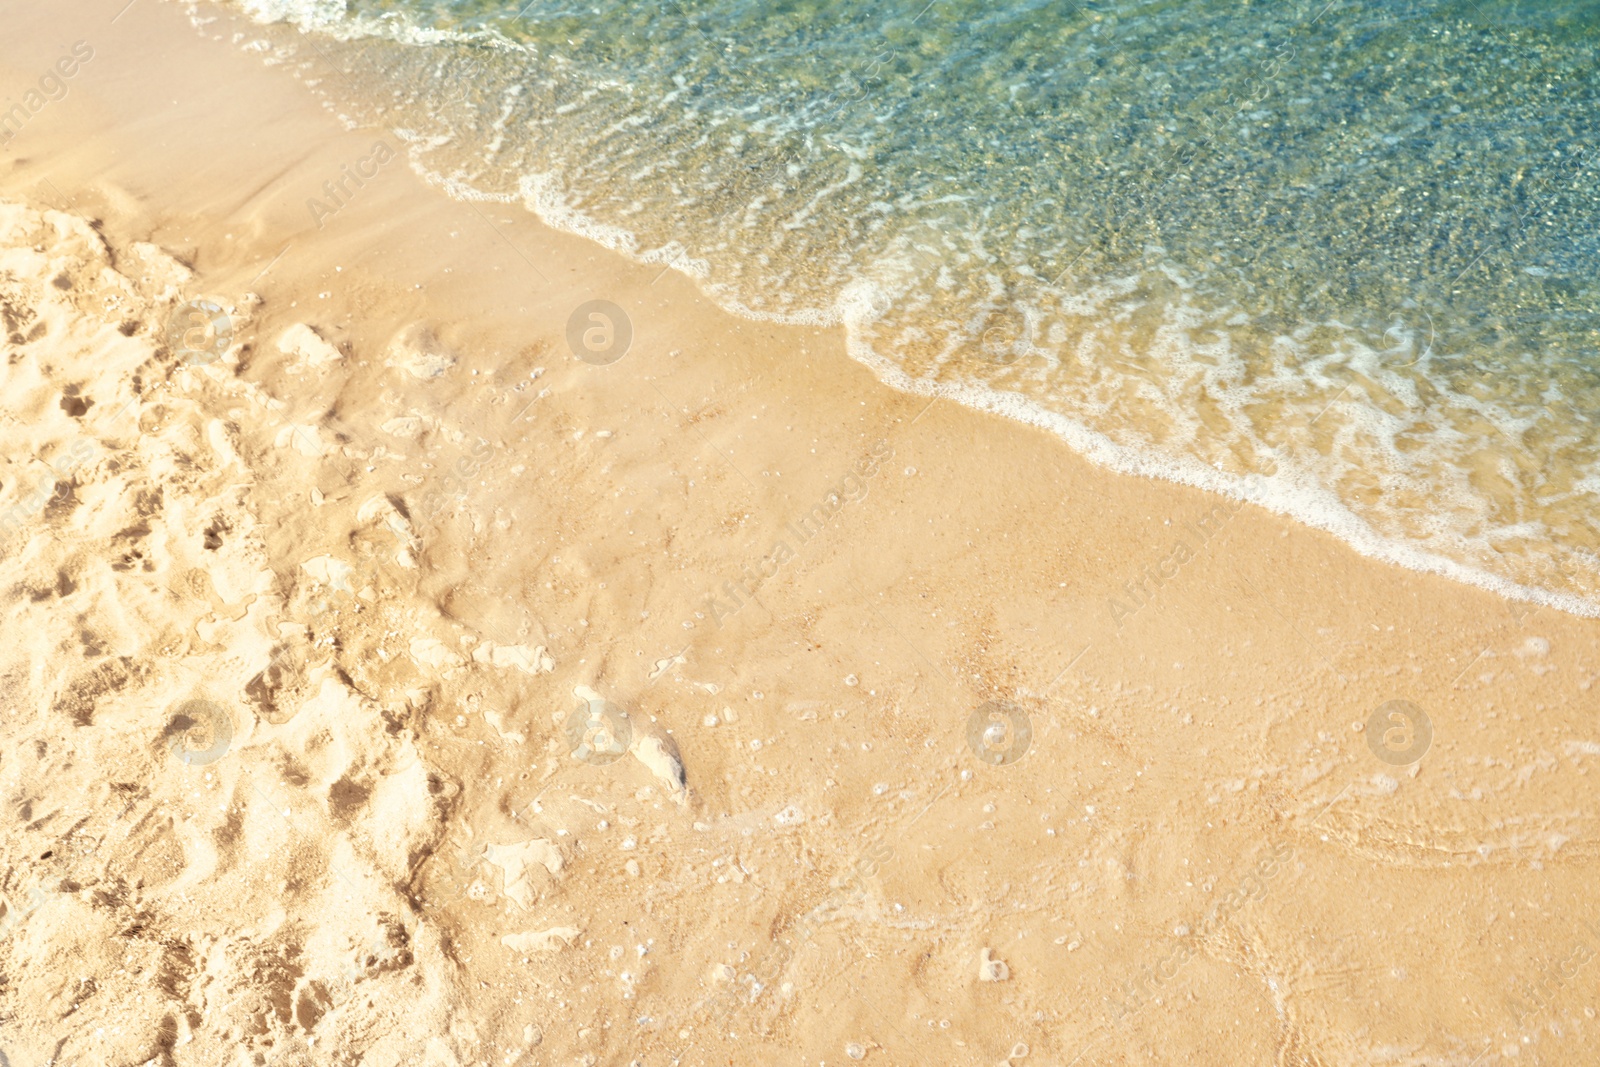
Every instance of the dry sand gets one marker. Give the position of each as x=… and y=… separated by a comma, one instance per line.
x=295, y=620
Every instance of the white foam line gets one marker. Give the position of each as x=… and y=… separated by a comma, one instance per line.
x=1318, y=509
x=542, y=195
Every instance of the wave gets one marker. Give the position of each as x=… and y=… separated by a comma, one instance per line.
x=1441, y=427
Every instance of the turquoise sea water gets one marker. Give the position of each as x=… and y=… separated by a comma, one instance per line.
x=1340, y=258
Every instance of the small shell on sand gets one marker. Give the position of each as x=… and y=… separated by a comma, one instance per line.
x=525, y=659
x=658, y=753
x=549, y=940
x=307, y=346
x=407, y=426
x=990, y=969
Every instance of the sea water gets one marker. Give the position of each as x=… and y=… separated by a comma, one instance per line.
x=1338, y=258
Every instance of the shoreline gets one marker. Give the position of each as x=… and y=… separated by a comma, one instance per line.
x=1307, y=502
x=402, y=525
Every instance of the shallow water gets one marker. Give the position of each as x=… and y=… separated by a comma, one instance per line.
x=1340, y=259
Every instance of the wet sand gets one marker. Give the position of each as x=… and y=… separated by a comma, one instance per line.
x=303, y=595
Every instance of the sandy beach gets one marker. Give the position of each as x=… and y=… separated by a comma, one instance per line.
x=435, y=639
